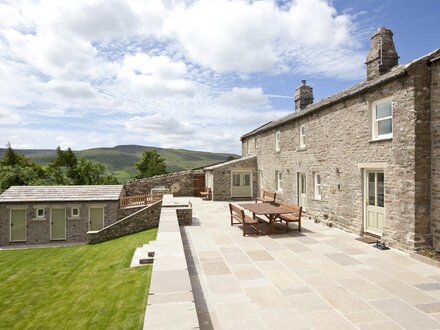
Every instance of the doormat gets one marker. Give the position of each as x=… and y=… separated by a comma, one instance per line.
x=366, y=239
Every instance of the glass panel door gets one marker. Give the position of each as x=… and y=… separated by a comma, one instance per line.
x=375, y=201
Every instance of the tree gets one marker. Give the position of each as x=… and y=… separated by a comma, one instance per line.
x=92, y=173
x=150, y=164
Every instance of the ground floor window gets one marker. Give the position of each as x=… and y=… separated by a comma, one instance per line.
x=279, y=180
x=317, y=185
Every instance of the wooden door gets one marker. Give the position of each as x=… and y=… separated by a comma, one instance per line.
x=58, y=224
x=96, y=218
x=375, y=201
x=18, y=225
x=199, y=184
x=302, y=190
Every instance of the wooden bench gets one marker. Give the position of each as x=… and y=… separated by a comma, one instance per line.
x=206, y=195
x=295, y=216
x=238, y=214
x=268, y=197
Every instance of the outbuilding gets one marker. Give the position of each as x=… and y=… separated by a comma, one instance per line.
x=43, y=214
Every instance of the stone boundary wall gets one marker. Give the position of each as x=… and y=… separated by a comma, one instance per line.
x=143, y=186
x=435, y=149
x=144, y=219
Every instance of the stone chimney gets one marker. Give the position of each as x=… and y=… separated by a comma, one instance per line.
x=303, y=96
x=382, y=56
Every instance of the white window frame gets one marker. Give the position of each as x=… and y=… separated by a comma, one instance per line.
x=278, y=141
x=73, y=215
x=302, y=136
x=37, y=216
x=375, y=121
x=261, y=179
x=279, y=180
x=317, y=187
x=257, y=143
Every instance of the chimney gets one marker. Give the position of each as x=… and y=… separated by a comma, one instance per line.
x=303, y=96
x=382, y=56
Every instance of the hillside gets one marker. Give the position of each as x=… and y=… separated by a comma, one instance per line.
x=120, y=159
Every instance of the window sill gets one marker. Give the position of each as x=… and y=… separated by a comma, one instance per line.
x=39, y=219
x=317, y=199
x=381, y=140
x=302, y=149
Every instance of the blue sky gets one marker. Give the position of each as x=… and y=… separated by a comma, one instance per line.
x=194, y=74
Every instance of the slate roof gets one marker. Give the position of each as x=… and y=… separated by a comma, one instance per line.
x=61, y=193
x=395, y=73
x=213, y=167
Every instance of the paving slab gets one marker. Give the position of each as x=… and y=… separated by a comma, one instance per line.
x=321, y=278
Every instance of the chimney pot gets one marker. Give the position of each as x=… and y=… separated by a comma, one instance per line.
x=382, y=56
x=303, y=96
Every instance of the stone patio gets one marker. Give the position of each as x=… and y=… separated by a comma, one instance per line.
x=321, y=278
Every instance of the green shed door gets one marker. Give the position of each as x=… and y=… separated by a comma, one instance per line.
x=96, y=221
x=18, y=225
x=58, y=224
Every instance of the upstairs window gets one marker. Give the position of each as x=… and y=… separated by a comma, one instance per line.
x=382, y=119
x=277, y=141
x=279, y=181
x=257, y=143
x=248, y=151
x=302, y=136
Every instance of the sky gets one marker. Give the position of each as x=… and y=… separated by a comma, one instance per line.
x=192, y=74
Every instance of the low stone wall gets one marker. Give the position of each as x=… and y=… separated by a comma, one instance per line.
x=184, y=216
x=144, y=219
x=123, y=213
x=185, y=179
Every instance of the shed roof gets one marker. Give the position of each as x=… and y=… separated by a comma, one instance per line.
x=61, y=193
x=395, y=73
x=238, y=160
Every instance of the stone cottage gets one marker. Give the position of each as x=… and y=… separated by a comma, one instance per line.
x=42, y=214
x=366, y=159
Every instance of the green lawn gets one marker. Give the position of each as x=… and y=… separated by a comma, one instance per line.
x=77, y=287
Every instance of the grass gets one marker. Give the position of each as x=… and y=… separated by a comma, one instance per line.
x=77, y=287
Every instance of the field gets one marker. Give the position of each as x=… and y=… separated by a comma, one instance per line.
x=77, y=287
x=120, y=160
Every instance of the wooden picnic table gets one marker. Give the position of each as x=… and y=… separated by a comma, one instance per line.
x=269, y=210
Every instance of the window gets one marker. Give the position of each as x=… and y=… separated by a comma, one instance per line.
x=236, y=180
x=257, y=143
x=279, y=181
x=277, y=141
x=317, y=183
x=261, y=179
x=75, y=211
x=382, y=119
x=302, y=136
x=40, y=213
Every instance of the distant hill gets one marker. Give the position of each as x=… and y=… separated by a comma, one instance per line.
x=120, y=159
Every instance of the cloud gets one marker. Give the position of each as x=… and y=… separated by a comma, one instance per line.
x=242, y=97
x=155, y=75
x=7, y=117
x=256, y=36
x=71, y=89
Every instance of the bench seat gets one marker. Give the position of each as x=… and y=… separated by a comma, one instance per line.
x=238, y=214
x=294, y=216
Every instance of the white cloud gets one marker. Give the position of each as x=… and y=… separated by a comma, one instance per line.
x=7, y=117
x=242, y=97
x=155, y=75
x=71, y=89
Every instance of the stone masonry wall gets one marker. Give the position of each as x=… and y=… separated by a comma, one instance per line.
x=338, y=140
x=222, y=178
x=435, y=167
x=38, y=230
x=144, y=186
x=144, y=219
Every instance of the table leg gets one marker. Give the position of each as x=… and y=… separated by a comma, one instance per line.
x=271, y=218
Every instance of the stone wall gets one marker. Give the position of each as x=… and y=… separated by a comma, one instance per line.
x=435, y=167
x=38, y=230
x=222, y=178
x=144, y=219
x=184, y=216
x=338, y=142
x=143, y=186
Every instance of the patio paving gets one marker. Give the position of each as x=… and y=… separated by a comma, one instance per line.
x=321, y=278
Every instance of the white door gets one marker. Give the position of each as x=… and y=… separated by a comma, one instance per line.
x=375, y=201
x=18, y=225
x=302, y=190
x=241, y=184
